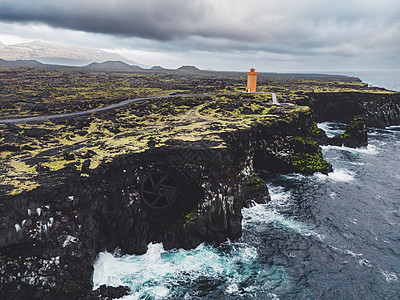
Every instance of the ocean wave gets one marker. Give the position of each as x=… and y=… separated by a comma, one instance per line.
x=279, y=196
x=261, y=214
x=357, y=256
x=338, y=175
x=393, y=127
x=295, y=177
x=160, y=274
x=331, y=129
x=353, y=254
x=389, y=276
x=370, y=149
x=355, y=163
x=361, y=261
x=388, y=131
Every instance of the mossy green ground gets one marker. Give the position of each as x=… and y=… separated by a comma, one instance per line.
x=36, y=92
x=353, y=127
x=30, y=152
x=308, y=158
x=254, y=181
x=34, y=150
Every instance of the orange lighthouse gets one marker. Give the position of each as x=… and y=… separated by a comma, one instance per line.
x=251, y=81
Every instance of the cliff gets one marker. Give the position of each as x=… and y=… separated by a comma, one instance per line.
x=176, y=171
x=378, y=109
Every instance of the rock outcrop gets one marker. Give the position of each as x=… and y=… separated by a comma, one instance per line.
x=355, y=135
x=175, y=170
x=179, y=195
x=378, y=109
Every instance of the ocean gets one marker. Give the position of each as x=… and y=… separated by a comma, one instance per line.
x=389, y=80
x=330, y=236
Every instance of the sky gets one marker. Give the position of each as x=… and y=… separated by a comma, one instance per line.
x=270, y=35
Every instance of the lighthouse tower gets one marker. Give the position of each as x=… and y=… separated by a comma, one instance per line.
x=251, y=81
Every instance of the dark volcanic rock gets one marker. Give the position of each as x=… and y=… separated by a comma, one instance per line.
x=295, y=152
x=8, y=147
x=110, y=292
x=378, y=110
x=354, y=136
x=36, y=133
x=256, y=191
x=178, y=194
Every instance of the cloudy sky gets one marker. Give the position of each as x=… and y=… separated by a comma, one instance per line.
x=270, y=35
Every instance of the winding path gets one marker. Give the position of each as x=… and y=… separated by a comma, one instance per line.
x=120, y=104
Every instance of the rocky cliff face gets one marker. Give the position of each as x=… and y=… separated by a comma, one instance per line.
x=355, y=135
x=180, y=196
x=379, y=110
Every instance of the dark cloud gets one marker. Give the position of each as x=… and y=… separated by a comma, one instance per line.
x=248, y=21
x=156, y=19
x=290, y=28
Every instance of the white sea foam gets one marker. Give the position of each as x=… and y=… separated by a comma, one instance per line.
x=279, y=196
x=232, y=289
x=295, y=176
x=342, y=175
x=365, y=262
x=273, y=296
x=158, y=273
x=155, y=273
x=389, y=276
x=332, y=195
x=388, y=131
x=351, y=253
x=330, y=129
x=338, y=175
x=376, y=133
x=361, y=261
x=263, y=215
x=370, y=149
x=358, y=256
x=354, y=163
x=267, y=214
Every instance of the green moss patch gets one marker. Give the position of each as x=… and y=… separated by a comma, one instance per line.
x=82, y=144
x=307, y=158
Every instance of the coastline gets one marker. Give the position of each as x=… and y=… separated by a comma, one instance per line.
x=75, y=187
x=389, y=80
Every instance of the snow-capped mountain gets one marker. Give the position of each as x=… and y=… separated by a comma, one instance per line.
x=53, y=53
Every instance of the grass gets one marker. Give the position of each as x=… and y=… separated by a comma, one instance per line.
x=122, y=132
x=175, y=121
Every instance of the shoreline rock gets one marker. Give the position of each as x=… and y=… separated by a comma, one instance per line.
x=378, y=110
x=52, y=234
x=75, y=187
x=355, y=135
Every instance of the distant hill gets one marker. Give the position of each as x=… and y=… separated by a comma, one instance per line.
x=53, y=53
x=21, y=64
x=189, y=69
x=112, y=66
x=157, y=68
x=108, y=66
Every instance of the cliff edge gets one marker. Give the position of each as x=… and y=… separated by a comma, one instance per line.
x=176, y=171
